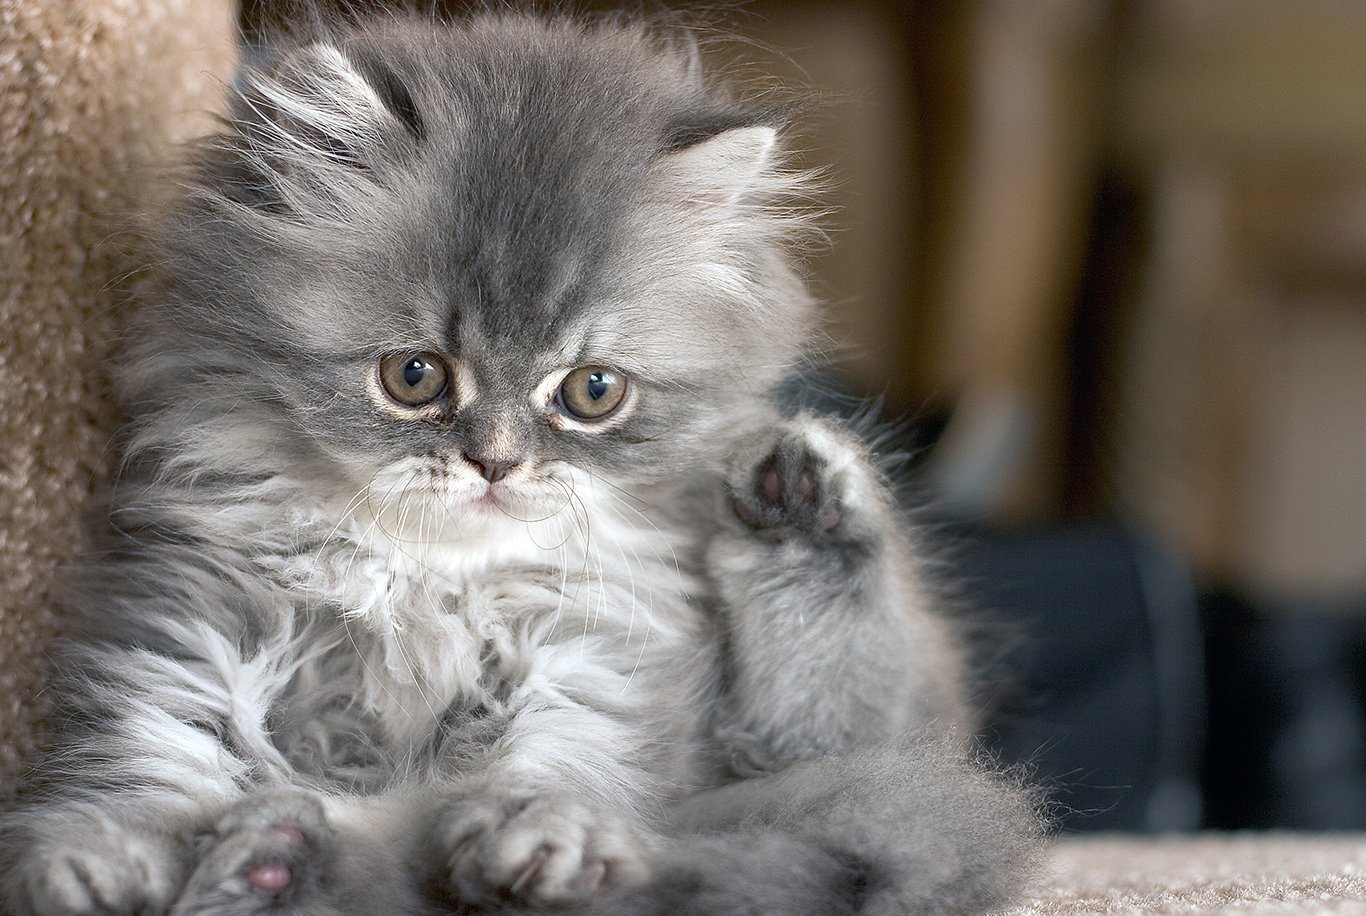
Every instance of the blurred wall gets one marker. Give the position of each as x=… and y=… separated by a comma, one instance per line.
x=1132, y=263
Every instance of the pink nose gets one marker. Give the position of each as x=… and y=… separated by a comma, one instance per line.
x=493, y=471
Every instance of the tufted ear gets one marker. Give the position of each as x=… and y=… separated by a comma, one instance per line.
x=314, y=97
x=312, y=112
x=724, y=167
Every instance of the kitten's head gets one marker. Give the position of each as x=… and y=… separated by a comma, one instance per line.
x=488, y=257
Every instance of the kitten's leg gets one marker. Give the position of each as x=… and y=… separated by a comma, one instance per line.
x=155, y=746
x=267, y=853
x=908, y=826
x=831, y=639
x=557, y=810
x=834, y=653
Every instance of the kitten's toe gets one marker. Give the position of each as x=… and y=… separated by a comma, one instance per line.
x=542, y=851
x=106, y=869
x=270, y=853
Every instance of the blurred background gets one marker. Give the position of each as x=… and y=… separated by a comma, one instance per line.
x=1106, y=261
x=1109, y=260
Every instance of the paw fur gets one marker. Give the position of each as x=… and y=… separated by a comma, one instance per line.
x=809, y=483
x=270, y=850
x=541, y=851
x=105, y=869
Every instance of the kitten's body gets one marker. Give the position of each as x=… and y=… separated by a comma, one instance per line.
x=480, y=650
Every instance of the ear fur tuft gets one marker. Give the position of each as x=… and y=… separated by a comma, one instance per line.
x=310, y=121
x=316, y=97
x=393, y=91
x=725, y=166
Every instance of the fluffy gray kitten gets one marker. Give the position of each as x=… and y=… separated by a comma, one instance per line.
x=462, y=561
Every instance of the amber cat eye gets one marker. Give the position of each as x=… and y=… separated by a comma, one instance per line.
x=413, y=379
x=592, y=393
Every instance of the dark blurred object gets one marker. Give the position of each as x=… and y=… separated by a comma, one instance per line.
x=1137, y=707
x=1104, y=695
x=1287, y=718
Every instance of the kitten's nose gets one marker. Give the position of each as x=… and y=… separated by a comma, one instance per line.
x=492, y=470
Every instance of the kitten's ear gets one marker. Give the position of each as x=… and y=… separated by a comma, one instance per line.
x=318, y=96
x=723, y=167
x=311, y=108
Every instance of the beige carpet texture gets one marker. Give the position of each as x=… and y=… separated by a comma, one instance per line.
x=96, y=98
x=1239, y=873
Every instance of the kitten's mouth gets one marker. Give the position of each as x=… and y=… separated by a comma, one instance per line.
x=490, y=501
x=496, y=499
x=514, y=502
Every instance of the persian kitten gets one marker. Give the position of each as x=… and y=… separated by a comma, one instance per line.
x=461, y=559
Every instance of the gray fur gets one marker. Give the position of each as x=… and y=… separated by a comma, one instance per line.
x=682, y=662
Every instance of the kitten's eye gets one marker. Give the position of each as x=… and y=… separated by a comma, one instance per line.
x=413, y=379
x=592, y=392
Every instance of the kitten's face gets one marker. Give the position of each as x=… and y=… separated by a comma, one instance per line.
x=488, y=263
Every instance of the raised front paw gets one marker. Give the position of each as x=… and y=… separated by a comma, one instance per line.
x=809, y=482
x=271, y=852
x=537, y=850
x=98, y=866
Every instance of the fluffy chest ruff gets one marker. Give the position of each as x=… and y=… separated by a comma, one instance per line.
x=416, y=651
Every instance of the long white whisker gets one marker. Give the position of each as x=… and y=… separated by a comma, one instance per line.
x=583, y=529
x=563, y=552
x=649, y=601
x=678, y=569
x=362, y=540
x=404, y=509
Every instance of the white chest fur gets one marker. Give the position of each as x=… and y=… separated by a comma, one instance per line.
x=435, y=617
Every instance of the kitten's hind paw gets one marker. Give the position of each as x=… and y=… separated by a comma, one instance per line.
x=268, y=854
x=107, y=869
x=542, y=851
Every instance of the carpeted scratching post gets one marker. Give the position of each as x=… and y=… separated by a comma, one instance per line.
x=95, y=100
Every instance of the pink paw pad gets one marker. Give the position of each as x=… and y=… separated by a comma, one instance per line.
x=293, y=836
x=269, y=877
x=831, y=519
x=594, y=875
x=771, y=485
